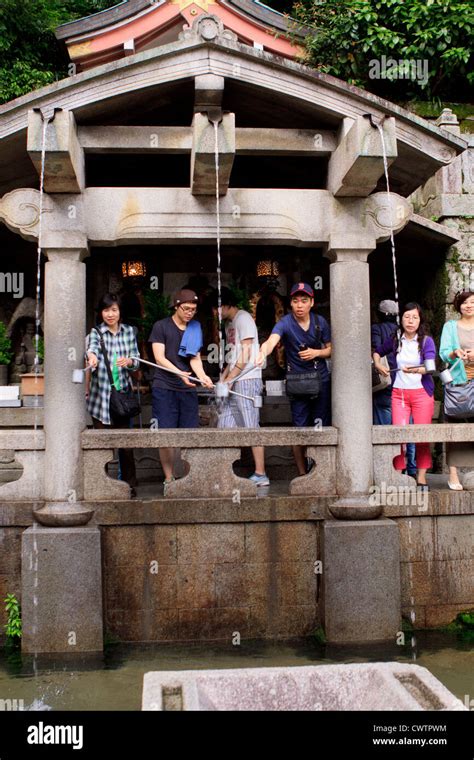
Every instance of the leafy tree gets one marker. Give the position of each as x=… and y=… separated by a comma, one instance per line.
x=30, y=55
x=348, y=37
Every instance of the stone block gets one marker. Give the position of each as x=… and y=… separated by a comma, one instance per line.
x=203, y=167
x=417, y=538
x=443, y=614
x=211, y=475
x=281, y=542
x=61, y=590
x=218, y=623
x=448, y=582
x=30, y=484
x=97, y=484
x=202, y=544
x=454, y=538
x=136, y=587
x=384, y=471
x=196, y=586
x=283, y=622
x=321, y=481
x=357, y=163
x=10, y=551
x=263, y=585
x=361, y=686
x=421, y=583
x=140, y=545
x=298, y=584
x=360, y=580
x=143, y=625
x=64, y=159
x=233, y=584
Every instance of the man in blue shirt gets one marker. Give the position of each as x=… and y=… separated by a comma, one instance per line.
x=306, y=338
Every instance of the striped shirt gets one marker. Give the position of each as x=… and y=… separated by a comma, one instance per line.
x=123, y=343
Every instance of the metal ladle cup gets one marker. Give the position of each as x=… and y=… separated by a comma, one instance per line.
x=79, y=374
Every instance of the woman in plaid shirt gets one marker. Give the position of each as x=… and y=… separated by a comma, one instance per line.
x=121, y=345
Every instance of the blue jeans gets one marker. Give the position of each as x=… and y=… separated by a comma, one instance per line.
x=382, y=409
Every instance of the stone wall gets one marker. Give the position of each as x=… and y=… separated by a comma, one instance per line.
x=437, y=568
x=198, y=581
x=211, y=581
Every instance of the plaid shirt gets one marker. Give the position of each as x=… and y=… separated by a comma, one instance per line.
x=123, y=343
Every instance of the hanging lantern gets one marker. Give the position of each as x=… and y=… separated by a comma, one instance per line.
x=267, y=268
x=133, y=269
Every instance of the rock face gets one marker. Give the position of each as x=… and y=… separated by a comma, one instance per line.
x=373, y=686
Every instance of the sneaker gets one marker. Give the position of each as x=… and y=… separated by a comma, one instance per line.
x=167, y=483
x=309, y=464
x=259, y=480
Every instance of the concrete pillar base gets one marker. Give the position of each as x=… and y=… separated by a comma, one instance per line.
x=355, y=508
x=61, y=590
x=361, y=581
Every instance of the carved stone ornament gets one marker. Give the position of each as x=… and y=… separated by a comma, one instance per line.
x=20, y=210
x=385, y=211
x=207, y=28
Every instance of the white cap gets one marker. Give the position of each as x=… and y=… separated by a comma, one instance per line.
x=388, y=307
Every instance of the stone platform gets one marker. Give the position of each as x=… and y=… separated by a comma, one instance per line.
x=373, y=686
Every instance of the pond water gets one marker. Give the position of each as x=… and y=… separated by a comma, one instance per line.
x=114, y=681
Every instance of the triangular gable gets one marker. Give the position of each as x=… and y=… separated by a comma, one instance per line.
x=135, y=25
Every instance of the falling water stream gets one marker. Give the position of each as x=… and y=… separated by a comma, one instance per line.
x=395, y=282
x=218, y=241
x=35, y=555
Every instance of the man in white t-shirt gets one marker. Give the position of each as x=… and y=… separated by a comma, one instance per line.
x=241, y=350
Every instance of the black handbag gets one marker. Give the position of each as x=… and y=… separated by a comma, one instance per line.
x=123, y=405
x=303, y=384
x=459, y=400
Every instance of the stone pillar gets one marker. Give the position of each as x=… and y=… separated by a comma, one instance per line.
x=64, y=403
x=361, y=581
x=351, y=375
x=61, y=596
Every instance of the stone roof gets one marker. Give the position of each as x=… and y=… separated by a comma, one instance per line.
x=264, y=90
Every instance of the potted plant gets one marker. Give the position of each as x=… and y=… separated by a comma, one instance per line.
x=32, y=383
x=5, y=354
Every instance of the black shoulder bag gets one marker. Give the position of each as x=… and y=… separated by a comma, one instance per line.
x=123, y=405
x=306, y=384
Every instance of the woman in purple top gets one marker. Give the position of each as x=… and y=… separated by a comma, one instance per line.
x=413, y=388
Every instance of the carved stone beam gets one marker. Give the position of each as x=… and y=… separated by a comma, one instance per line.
x=203, y=154
x=64, y=170
x=356, y=165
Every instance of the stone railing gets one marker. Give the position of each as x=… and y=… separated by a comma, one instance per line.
x=210, y=454
x=386, y=441
x=27, y=448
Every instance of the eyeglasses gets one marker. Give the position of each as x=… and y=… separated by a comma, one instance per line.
x=189, y=309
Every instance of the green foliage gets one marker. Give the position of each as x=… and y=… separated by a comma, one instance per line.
x=5, y=345
x=320, y=636
x=348, y=34
x=40, y=349
x=30, y=55
x=157, y=306
x=241, y=295
x=13, y=626
x=462, y=626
